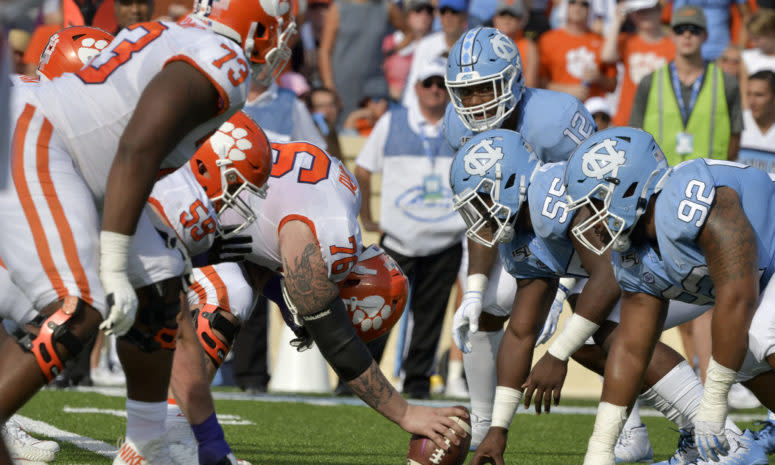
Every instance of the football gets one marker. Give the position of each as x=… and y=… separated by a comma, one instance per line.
x=423, y=451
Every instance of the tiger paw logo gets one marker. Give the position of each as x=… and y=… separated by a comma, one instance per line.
x=368, y=313
x=89, y=48
x=231, y=142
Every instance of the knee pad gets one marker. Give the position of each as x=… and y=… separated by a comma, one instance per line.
x=53, y=330
x=155, y=327
x=208, y=320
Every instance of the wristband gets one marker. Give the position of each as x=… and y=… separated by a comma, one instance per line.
x=505, y=406
x=573, y=335
x=114, y=251
x=476, y=282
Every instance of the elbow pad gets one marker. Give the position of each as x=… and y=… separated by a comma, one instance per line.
x=337, y=340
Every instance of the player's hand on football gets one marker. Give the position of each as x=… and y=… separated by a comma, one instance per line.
x=545, y=381
x=466, y=320
x=492, y=448
x=434, y=423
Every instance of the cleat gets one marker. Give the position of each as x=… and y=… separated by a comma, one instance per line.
x=765, y=437
x=633, y=445
x=24, y=448
x=687, y=450
x=152, y=452
x=743, y=450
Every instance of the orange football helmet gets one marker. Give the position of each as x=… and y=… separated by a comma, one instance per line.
x=236, y=158
x=69, y=49
x=264, y=29
x=375, y=293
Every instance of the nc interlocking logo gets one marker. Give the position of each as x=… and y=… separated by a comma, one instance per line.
x=503, y=47
x=481, y=157
x=231, y=142
x=602, y=160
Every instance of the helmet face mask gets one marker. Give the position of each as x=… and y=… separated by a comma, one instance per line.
x=263, y=28
x=614, y=173
x=488, y=222
x=607, y=226
x=490, y=114
x=490, y=176
x=235, y=161
x=484, y=59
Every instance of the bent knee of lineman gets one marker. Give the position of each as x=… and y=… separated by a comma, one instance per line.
x=59, y=333
x=156, y=325
x=216, y=329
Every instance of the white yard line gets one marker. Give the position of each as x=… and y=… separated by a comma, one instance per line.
x=335, y=401
x=60, y=435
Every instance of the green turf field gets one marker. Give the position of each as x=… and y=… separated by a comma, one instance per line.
x=274, y=431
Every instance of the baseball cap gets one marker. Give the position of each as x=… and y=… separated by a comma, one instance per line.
x=410, y=5
x=435, y=67
x=513, y=7
x=456, y=5
x=598, y=105
x=689, y=14
x=635, y=5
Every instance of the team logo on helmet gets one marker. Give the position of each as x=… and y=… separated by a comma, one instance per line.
x=602, y=160
x=503, y=47
x=481, y=157
x=231, y=142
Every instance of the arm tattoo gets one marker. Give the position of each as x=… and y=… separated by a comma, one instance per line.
x=373, y=388
x=307, y=281
x=729, y=242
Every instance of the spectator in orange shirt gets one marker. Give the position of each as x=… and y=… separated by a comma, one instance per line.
x=570, y=57
x=641, y=52
x=510, y=18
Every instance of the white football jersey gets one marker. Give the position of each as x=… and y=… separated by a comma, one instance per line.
x=91, y=108
x=307, y=185
x=183, y=204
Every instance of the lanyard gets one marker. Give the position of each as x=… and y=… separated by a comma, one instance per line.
x=679, y=95
x=430, y=152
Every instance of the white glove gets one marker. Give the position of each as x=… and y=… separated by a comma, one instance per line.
x=550, y=325
x=120, y=294
x=709, y=431
x=466, y=320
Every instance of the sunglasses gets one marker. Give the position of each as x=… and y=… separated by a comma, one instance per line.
x=508, y=13
x=433, y=81
x=445, y=9
x=692, y=28
x=424, y=9
x=585, y=4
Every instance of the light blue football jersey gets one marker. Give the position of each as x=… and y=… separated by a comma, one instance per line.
x=547, y=251
x=554, y=123
x=679, y=271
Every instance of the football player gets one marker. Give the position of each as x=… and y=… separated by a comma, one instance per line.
x=86, y=149
x=486, y=85
x=700, y=232
x=502, y=190
x=308, y=230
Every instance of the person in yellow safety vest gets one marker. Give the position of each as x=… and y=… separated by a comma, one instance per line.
x=706, y=121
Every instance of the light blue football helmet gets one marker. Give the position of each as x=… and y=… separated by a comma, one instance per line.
x=490, y=176
x=614, y=172
x=485, y=55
